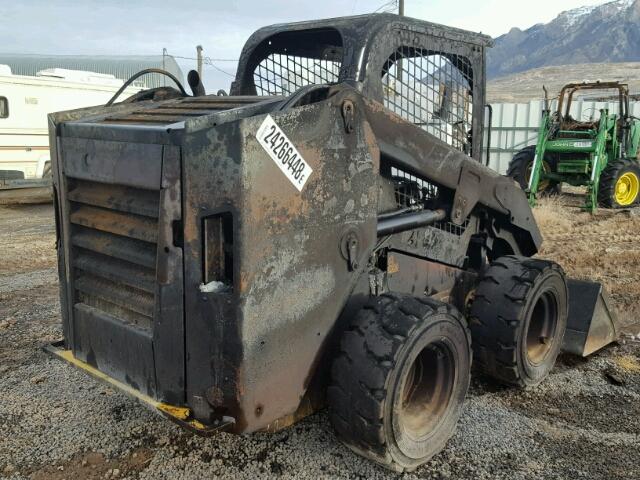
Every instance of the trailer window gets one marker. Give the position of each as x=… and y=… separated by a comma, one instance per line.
x=433, y=90
x=291, y=60
x=4, y=107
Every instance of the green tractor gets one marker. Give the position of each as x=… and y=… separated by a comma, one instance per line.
x=599, y=153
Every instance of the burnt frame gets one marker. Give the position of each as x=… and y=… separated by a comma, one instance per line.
x=568, y=91
x=368, y=41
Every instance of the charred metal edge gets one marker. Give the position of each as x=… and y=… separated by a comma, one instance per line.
x=178, y=415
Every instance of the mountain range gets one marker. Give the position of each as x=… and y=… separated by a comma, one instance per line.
x=604, y=33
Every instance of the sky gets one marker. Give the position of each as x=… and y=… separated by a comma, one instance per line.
x=130, y=27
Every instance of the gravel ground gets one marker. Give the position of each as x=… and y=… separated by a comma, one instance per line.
x=55, y=422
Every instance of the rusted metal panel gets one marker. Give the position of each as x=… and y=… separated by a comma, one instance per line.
x=118, y=247
x=141, y=228
x=168, y=332
x=181, y=109
x=125, y=354
x=131, y=164
x=115, y=294
x=115, y=197
x=424, y=277
x=57, y=124
x=188, y=110
x=289, y=281
x=116, y=270
x=158, y=118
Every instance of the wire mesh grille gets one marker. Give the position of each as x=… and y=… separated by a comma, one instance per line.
x=428, y=90
x=411, y=191
x=281, y=74
x=452, y=228
x=414, y=192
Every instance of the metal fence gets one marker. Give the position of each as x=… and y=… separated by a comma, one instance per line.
x=515, y=125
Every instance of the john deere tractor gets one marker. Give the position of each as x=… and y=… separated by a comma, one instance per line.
x=599, y=153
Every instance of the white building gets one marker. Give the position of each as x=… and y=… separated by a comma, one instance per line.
x=25, y=102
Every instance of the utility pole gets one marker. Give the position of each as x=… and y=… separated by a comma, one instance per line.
x=164, y=67
x=199, y=60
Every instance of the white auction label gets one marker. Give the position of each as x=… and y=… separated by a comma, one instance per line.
x=284, y=153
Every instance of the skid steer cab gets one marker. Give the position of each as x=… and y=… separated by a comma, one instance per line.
x=597, y=149
x=325, y=234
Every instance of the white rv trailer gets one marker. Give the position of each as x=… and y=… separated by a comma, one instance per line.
x=25, y=102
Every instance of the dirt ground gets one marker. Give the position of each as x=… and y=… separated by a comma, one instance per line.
x=604, y=247
x=55, y=422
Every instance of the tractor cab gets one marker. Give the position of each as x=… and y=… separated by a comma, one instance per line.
x=588, y=121
x=595, y=147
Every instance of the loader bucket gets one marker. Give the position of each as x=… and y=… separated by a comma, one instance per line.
x=592, y=322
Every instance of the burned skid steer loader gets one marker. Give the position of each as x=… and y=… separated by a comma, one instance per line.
x=324, y=235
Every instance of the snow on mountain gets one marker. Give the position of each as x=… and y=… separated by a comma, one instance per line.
x=609, y=32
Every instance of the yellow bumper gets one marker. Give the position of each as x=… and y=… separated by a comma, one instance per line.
x=179, y=415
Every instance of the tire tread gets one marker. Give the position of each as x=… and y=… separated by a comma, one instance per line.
x=356, y=404
x=608, y=179
x=498, y=329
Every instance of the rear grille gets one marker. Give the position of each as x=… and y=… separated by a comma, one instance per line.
x=182, y=109
x=114, y=233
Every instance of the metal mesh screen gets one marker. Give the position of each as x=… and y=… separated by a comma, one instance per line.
x=427, y=89
x=413, y=192
x=281, y=74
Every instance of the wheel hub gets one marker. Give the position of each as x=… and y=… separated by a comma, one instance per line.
x=627, y=188
x=542, y=328
x=427, y=390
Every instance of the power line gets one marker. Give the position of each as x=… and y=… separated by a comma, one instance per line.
x=388, y=7
x=209, y=61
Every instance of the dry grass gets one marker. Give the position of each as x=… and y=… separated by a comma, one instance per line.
x=604, y=247
x=552, y=214
x=628, y=363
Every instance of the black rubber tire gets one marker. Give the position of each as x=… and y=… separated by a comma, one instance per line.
x=46, y=171
x=512, y=297
x=608, y=179
x=385, y=340
x=518, y=169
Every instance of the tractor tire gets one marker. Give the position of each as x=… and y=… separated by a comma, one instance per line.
x=46, y=172
x=400, y=379
x=620, y=184
x=517, y=318
x=520, y=169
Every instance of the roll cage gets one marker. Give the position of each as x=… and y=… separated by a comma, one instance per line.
x=437, y=73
